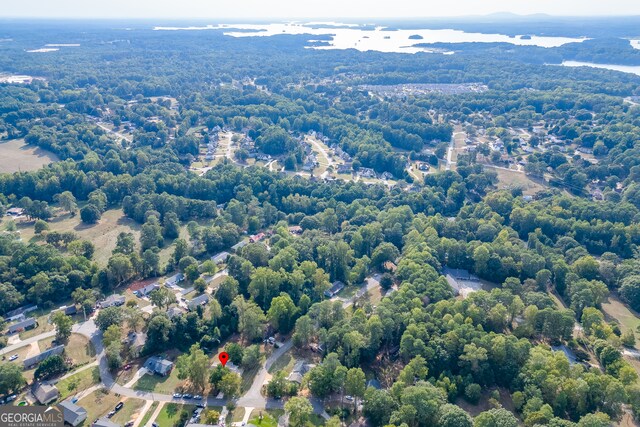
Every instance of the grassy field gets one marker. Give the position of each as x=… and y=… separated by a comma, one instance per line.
x=103, y=235
x=269, y=418
x=511, y=179
x=98, y=404
x=16, y=156
x=129, y=412
x=80, y=350
x=78, y=382
x=159, y=384
x=616, y=310
x=170, y=413
x=247, y=378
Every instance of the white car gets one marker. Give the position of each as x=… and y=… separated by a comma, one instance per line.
x=12, y=358
x=177, y=396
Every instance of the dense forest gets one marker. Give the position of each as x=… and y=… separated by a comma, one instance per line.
x=127, y=113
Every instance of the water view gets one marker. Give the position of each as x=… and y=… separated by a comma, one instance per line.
x=382, y=39
x=633, y=69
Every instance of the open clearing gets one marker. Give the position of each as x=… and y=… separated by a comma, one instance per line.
x=103, y=235
x=511, y=179
x=16, y=156
x=615, y=309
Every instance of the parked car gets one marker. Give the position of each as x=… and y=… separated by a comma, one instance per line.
x=197, y=397
x=129, y=424
x=177, y=396
x=187, y=396
x=119, y=406
x=12, y=358
x=349, y=398
x=11, y=398
x=111, y=414
x=127, y=367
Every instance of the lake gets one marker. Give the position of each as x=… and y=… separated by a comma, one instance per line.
x=351, y=36
x=633, y=69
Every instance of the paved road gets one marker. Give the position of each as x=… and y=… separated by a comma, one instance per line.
x=14, y=347
x=90, y=330
x=254, y=398
x=371, y=282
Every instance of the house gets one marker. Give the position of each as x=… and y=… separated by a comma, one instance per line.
x=15, y=212
x=174, y=280
x=34, y=360
x=386, y=175
x=334, y=289
x=239, y=245
x=104, y=422
x=198, y=301
x=158, y=365
x=45, y=393
x=367, y=173
x=69, y=310
x=346, y=168
x=295, y=229
x=299, y=369
x=21, y=310
x=74, y=415
x=112, y=301
x=174, y=312
x=221, y=257
x=146, y=289
x=389, y=266
x=22, y=325
x=256, y=237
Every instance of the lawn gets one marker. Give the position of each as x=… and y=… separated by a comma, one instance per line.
x=283, y=363
x=170, y=413
x=269, y=418
x=147, y=416
x=43, y=326
x=159, y=384
x=129, y=412
x=247, y=378
x=80, y=350
x=98, y=404
x=78, y=382
x=20, y=157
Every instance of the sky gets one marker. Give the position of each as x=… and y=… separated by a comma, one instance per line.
x=266, y=9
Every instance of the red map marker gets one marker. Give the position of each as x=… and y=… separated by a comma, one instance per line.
x=224, y=357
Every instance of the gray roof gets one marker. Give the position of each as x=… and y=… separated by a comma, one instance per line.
x=158, y=365
x=199, y=300
x=221, y=257
x=104, y=422
x=112, y=300
x=239, y=245
x=23, y=324
x=45, y=393
x=335, y=288
x=21, y=310
x=73, y=414
x=40, y=357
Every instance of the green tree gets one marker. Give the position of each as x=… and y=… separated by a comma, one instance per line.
x=11, y=379
x=282, y=313
x=63, y=324
x=299, y=410
x=495, y=418
x=162, y=297
x=193, y=366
